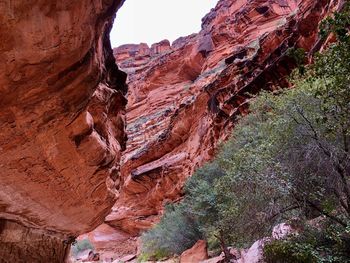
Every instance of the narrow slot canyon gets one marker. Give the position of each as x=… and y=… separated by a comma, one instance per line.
x=95, y=140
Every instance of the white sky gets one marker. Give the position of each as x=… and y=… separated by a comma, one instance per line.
x=151, y=21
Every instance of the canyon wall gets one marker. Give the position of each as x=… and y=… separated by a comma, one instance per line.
x=184, y=98
x=62, y=108
x=62, y=112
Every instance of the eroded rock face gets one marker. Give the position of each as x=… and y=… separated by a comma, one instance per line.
x=184, y=101
x=20, y=244
x=61, y=121
x=62, y=111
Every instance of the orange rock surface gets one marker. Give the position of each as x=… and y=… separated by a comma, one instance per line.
x=111, y=243
x=195, y=254
x=184, y=100
x=62, y=110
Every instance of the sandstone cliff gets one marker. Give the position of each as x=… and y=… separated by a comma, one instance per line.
x=62, y=124
x=62, y=111
x=184, y=99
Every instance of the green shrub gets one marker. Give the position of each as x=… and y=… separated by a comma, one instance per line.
x=156, y=254
x=326, y=243
x=285, y=251
x=176, y=232
x=80, y=246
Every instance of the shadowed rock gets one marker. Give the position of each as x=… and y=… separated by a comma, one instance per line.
x=62, y=124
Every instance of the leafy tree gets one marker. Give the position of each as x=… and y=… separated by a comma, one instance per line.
x=205, y=204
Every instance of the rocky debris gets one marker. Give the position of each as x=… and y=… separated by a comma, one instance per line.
x=196, y=253
x=86, y=256
x=110, y=243
x=254, y=254
x=62, y=124
x=125, y=259
x=184, y=101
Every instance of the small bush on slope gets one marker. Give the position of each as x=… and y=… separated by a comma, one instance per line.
x=80, y=246
x=176, y=232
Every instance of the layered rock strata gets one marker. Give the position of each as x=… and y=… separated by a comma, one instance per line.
x=62, y=111
x=184, y=99
x=61, y=124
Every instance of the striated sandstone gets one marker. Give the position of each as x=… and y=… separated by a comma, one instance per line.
x=62, y=124
x=184, y=101
x=62, y=111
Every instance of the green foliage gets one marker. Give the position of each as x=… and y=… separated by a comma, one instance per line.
x=338, y=24
x=285, y=251
x=156, y=254
x=143, y=257
x=176, y=232
x=299, y=55
x=325, y=243
x=202, y=201
x=80, y=246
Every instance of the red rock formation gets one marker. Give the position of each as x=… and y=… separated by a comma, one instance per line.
x=62, y=111
x=161, y=47
x=195, y=254
x=109, y=242
x=184, y=102
x=62, y=124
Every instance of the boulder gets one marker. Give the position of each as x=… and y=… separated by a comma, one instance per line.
x=195, y=254
x=254, y=254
